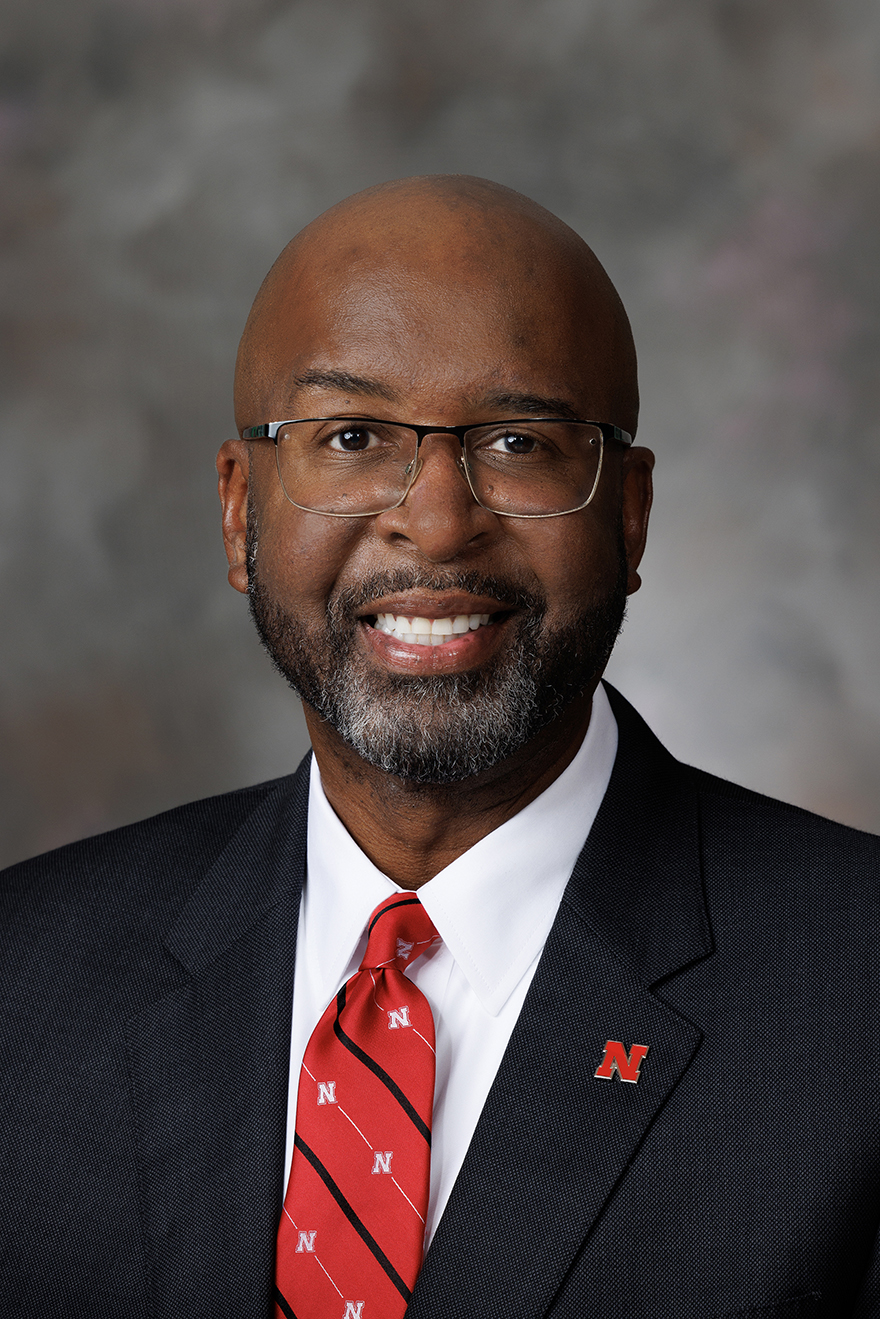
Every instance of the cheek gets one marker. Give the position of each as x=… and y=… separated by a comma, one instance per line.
x=575, y=562
x=300, y=557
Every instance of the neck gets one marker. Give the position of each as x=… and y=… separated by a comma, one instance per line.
x=412, y=831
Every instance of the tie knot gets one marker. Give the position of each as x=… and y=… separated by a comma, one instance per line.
x=400, y=930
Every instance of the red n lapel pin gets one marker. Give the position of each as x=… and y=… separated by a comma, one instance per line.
x=616, y=1059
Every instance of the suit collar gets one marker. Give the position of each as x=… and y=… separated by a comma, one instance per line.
x=638, y=880
x=254, y=871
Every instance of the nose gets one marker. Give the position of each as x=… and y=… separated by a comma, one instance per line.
x=439, y=515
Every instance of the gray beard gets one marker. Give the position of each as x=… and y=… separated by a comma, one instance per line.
x=441, y=728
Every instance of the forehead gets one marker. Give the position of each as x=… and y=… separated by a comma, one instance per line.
x=433, y=330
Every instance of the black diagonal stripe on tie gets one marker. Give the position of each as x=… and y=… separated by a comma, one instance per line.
x=404, y=902
x=283, y=1306
x=352, y=1217
x=375, y=1068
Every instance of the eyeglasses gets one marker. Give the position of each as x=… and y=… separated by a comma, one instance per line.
x=359, y=467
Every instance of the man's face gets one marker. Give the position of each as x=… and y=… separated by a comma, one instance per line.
x=461, y=346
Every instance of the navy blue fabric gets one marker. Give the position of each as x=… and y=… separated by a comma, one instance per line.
x=146, y=984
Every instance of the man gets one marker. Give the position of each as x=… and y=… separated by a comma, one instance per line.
x=652, y=995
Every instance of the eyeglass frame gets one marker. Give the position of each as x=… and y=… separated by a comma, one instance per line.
x=607, y=431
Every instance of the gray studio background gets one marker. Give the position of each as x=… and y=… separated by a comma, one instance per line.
x=722, y=158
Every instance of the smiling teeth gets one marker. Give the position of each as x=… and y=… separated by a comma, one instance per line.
x=428, y=631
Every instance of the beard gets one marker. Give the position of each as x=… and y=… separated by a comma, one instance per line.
x=438, y=728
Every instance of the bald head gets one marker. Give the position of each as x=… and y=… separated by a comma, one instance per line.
x=422, y=260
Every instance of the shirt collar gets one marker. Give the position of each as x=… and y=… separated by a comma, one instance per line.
x=494, y=905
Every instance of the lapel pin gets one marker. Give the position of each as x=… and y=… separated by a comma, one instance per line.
x=616, y=1059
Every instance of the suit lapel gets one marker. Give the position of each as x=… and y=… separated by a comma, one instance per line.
x=209, y=1069
x=554, y=1140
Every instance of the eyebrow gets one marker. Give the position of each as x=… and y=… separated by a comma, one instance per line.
x=346, y=383
x=530, y=405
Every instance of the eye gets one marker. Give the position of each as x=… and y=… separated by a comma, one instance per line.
x=353, y=439
x=513, y=442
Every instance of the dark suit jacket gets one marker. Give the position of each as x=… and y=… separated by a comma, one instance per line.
x=146, y=987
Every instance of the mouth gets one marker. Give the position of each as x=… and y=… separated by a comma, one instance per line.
x=437, y=632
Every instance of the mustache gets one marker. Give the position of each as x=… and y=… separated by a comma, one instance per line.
x=344, y=606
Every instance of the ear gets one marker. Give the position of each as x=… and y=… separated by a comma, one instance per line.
x=233, y=474
x=638, y=494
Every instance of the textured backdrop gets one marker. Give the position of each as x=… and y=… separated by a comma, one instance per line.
x=720, y=155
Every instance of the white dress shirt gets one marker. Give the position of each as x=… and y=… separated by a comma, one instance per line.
x=493, y=908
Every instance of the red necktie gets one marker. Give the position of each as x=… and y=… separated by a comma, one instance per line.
x=351, y=1238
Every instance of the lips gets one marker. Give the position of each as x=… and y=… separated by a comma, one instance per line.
x=434, y=632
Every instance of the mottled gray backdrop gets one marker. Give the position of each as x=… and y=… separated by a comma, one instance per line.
x=720, y=155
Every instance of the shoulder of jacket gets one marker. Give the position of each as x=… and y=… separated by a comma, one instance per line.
x=779, y=824
x=179, y=841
